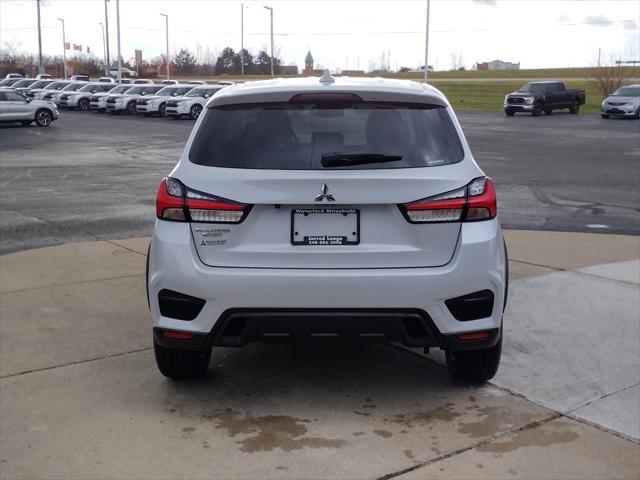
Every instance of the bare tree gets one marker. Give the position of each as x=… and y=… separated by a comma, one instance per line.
x=457, y=61
x=608, y=77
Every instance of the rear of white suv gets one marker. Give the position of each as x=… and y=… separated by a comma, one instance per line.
x=341, y=211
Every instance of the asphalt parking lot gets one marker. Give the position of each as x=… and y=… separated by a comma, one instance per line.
x=80, y=395
x=94, y=176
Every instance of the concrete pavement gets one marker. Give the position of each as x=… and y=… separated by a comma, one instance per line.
x=80, y=396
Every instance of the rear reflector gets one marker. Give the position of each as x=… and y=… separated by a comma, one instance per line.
x=475, y=201
x=178, y=335
x=474, y=336
x=179, y=203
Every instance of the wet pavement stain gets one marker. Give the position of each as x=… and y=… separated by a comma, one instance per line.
x=359, y=434
x=409, y=454
x=539, y=437
x=493, y=420
x=188, y=429
x=445, y=413
x=269, y=432
x=383, y=433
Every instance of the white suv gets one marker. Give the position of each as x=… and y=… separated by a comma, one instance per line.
x=158, y=103
x=339, y=210
x=192, y=103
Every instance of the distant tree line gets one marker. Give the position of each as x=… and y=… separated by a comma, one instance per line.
x=229, y=62
x=201, y=63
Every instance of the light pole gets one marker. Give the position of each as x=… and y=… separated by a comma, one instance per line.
x=426, y=46
x=166, y=18
x=106, y=35
x=242, y=39
x=40, y=66
x=118, y=36
x=271, y=14
x=104, y=50
x=64, y=50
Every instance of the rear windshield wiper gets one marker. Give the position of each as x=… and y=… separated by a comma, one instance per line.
x=346, y=159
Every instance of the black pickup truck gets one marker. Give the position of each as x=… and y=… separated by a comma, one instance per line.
x=538, y=97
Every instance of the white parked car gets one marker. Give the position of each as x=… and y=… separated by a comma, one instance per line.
x=624, y=102
x=98, y=100
x=82, y=98
x=79, y=78
x=106, y=80
x=44, y=76
x=126, y=102
x=158, y=103
x=143, y=81
x=9, y=82
x=13, y=75
x=197, y=82
x=23, y=83
x=169, y=82
x=52, y=88
x=192, y=103
x=55, y=95
x=15, y=107
x=35, y=86
x=339, y=210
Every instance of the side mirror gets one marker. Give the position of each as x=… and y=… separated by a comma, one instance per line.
x=206, y=95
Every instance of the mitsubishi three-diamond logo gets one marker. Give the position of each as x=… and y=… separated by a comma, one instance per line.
x=324, y=195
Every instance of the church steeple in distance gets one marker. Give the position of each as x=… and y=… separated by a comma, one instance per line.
x=308, y=62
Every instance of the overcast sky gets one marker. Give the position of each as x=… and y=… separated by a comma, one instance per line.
x=538, y=33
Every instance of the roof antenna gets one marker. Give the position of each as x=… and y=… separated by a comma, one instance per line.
x=326, y=77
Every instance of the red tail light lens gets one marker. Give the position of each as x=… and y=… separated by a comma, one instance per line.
x=179, y=203
x=473, y=202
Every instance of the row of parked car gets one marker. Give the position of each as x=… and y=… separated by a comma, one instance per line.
x=538, y=97
x=38, y=100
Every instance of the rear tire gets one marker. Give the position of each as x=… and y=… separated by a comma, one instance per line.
x=131, y=108
x=508, y=112
x=574, y=108
x=604, y=115
x=162, y=110
x=181, y=364
x=475, y=365
x=548, y=111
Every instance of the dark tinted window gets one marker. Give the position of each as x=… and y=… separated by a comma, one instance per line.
x=295, y=137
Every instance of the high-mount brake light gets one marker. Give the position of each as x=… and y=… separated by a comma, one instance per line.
x=178, y=203
x=473, y=202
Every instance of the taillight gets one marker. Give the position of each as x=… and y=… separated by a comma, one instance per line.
x=178, y=203
x=473, y=202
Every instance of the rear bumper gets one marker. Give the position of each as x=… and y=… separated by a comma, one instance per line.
x=477, y=265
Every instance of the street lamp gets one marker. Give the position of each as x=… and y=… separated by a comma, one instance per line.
x=106, y=36
x=271, y=14
x=426, y=46
x=242, y=39
x=166, y=18
x=104, y=49
x=64, y=50
x=118, y=38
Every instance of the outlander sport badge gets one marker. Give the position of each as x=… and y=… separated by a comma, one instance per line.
x=324, y=194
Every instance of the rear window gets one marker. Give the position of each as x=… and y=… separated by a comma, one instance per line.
x=299, y=136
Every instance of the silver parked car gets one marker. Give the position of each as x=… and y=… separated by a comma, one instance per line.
x=98, y=100
x=49, y=89
x=15, y=107
x=82, y=98
x=624, y=102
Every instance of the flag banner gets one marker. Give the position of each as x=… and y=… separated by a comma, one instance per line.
x=77, y=47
